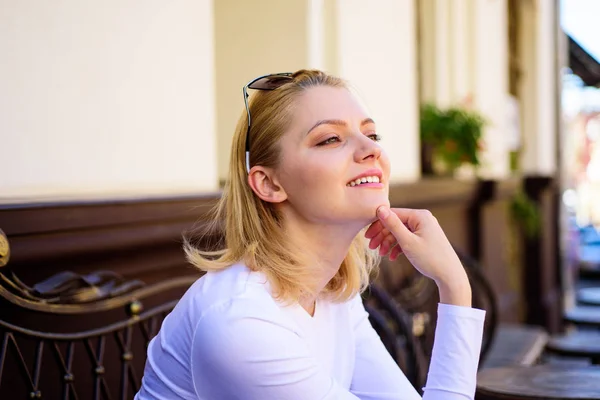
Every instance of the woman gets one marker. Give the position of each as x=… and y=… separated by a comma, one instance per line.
x=278, y=315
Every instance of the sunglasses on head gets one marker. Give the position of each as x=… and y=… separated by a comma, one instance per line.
x=265, y=82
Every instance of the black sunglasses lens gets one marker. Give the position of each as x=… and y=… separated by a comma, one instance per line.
x=270, y=82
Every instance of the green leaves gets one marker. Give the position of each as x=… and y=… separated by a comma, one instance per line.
x=526, y=214
x=455, y=134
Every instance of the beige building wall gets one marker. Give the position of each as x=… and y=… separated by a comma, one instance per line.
x=380, y=62
x=106, y=99
x=117, y=99
x=253, y=38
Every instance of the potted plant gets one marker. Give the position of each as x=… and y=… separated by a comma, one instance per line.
x=451, y=138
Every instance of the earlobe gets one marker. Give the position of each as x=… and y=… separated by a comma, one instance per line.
x=265, y=185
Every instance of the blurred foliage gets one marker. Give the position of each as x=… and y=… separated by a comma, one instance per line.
x=454, y=135
x=526, y=215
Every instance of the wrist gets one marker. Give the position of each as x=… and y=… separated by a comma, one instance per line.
x=455, y=291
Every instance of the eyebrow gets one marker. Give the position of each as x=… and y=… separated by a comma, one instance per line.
x=338, y=122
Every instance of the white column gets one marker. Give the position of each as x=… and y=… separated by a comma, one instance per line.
x=528, y=44
x=377, y=53
x=426, y=52
x=540, y=145
x=443, y=53
x=103, y=100
x=491, y=83
x=461, y=33
x=316, y=34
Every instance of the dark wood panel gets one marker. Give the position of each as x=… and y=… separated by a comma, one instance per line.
x=500, y=259
x=30, y=218
x=80, y=234
x=541, y=257
x=142, y=238
x=137, y=238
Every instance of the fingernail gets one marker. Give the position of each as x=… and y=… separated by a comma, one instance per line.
x=383, y=212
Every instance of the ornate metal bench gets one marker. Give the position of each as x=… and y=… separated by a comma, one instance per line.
x=78, y=336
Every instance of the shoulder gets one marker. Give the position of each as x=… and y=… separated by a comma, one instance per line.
x=232, y=295
x=218, y=296
x=217, y=288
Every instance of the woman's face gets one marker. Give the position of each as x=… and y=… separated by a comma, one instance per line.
x=332, y=167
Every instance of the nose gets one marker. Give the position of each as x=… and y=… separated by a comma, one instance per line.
x=367, y=149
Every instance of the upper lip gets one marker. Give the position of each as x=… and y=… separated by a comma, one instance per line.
x=370, y=172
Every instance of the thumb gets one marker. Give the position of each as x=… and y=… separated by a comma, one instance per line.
x=392, y=223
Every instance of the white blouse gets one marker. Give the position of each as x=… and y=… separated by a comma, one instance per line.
x=227, y=338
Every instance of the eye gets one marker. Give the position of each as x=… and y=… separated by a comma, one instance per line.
x=374, y=137
x=331, y=140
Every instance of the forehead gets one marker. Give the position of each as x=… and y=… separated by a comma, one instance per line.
x=326, y=102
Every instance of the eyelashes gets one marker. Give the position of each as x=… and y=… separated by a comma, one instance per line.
x=333, y=139
x=330, y=140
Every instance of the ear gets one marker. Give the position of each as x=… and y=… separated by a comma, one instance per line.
x=266, y=185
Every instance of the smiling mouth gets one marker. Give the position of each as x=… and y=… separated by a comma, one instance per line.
x=362, y=181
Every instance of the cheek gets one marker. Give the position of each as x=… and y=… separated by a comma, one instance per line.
x=314, y=177
x=384, y=160
x=315, y=180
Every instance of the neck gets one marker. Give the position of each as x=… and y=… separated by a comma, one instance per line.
x=325, y=247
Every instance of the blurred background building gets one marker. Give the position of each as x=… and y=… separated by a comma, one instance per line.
x=116, y=119
x=105, y=100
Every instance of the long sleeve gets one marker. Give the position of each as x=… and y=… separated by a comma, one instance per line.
x=455, y=357
x=453, y=369
x=244, y=351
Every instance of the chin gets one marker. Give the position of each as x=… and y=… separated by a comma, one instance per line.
x=367, y=212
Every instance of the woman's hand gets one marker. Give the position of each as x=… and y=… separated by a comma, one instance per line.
x=418, y=235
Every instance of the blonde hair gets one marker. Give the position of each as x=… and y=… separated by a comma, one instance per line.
x=252, y=229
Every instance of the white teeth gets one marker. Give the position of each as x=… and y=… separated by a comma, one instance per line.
x=366, y=179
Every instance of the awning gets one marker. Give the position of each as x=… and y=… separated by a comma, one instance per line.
x=583, y=64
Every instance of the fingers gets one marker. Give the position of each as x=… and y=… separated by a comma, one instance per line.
x=407, y=215
x=373, y=230
x=379, y=238
x=393, y=222
x=414, y=219
x=399, y=229
x=385, y=241
x=396, y=251
x=388, y=242
x=376, y=241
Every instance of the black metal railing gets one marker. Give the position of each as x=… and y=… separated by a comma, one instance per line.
x=77, y=336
